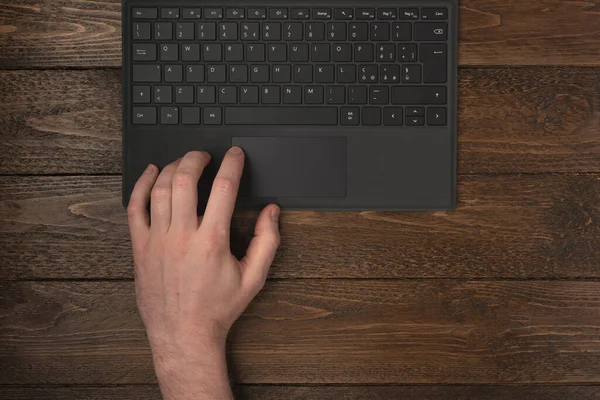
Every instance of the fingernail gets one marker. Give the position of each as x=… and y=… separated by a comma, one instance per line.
x=149, y=169
x=275, y=214
x=236, y=150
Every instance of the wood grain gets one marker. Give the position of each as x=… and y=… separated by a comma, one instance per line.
x=531, y=120
x=504, y=227
x=514, y=32
x=320, y=331
x=279, y=392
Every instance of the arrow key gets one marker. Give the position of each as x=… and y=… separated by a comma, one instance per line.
x=415, y=111
x=436, y=116
x=392, y=116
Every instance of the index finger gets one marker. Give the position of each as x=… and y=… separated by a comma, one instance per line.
x=223, y=195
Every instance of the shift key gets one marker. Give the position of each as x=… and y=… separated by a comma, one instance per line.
x=418, y=95
x=146, y=73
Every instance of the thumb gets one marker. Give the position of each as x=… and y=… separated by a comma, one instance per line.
x=261, y=250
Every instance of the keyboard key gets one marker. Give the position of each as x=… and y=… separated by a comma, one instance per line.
x=144, y=115
x=216, y=74
x=343, y=13
x=368, y=74
x=211, y=52
x=144, y=52
x=212, y=116
x=257, y=13
x=342, y=52
x=434, y=59
x=184, y=94
x=163, y=95
x=357, y=95
x=324, y=74
x=169, y=52
x=436, y=116
x=315, y=31
x=163, y=31
x=379, y=95
x=228, y=31
x=141, y=31
x=321, y=13
x=380, y=31
x=191, y=13
x=365, y=13
x=336, y=31
x=415, y=121
x=250, y=31
x=145, y=13
x=173, y=73
x=292, y=94
x=431, y=31
x=371, y=116
x=418, y=95
x=194, y=73
x=277, y=52
x=271, y=31
x=141, y=94
x=392, y=116
x=402, y=31
x=270, y=95
x=408, y=14
x=411, y=73
x=213, y=13
x=303, y=73
x=238, y=73
x=415, y=111
x=190, y=52
x=313, y=94
x=387, y=13
x=184, y=31
x=407, y=52
x=235, y=13
x=205, y=95
x=386, y=52
x=249, y=94
x=255, y=52
x=292, y=31
x=278, y=13
x=190, y=115
x=169, y=13
x=146, y=73
x=319, y=52
x=207, y=31
x=300, y=13
x=346, y=73
x=234, y=52
x=259, y=74
x=169, y=115
x=281, y=115
x=336, y=95
x=281, y=74
x=434, y=14
x=299, y=52
x=359, y=31
x=349, y=116
x=390, y=74
x=363, y=52
x=228, y=94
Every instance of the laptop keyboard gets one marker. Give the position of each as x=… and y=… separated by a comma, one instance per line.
x=289, y=66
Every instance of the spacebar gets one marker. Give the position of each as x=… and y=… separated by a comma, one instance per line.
x=281, y=116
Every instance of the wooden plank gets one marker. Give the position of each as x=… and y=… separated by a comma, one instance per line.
x=504, y=227
x=321, y=331
x=268, y=392
x=514, y=32
x=530, y=120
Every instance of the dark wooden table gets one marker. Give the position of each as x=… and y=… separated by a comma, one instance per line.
x=499, y=299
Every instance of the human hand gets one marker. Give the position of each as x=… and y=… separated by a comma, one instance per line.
x=190, y=288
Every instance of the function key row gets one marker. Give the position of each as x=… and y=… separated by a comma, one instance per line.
x=411, y=14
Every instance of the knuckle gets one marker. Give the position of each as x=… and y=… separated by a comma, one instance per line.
x=133, y=209
x=161, y=193
x=274, y=239
x=223, y=185
x=183, y=179
x=214, y=239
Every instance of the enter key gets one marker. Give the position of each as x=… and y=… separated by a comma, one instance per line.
x=435, y=62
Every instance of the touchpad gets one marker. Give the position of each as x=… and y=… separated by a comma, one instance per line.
x=293, y=167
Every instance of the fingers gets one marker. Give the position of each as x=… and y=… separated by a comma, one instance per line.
x=261, y=250
x=137, y=215
x=160, y=204
x=221, y=202
x=185, y=189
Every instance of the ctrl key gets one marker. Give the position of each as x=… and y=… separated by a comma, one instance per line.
x=144, y=115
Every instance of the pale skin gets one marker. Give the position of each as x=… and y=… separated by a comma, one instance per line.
x=190, y=289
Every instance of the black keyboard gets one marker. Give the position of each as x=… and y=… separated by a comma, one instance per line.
x=361, y=66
